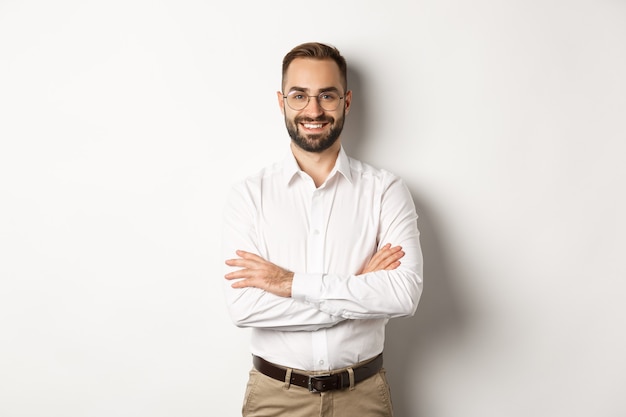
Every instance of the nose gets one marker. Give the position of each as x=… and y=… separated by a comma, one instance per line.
x=313, y=107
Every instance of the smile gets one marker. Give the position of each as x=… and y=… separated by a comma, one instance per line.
x=312, y=125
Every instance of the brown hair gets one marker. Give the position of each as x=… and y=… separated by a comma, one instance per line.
x=320, y=51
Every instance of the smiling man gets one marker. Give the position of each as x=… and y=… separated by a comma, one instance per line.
x=315, y=127
x=320, y=250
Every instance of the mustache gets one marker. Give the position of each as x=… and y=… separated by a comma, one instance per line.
x=315, y=120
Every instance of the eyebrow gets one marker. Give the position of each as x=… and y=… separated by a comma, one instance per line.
x=321, y=90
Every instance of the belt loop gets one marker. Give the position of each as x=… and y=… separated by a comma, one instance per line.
x=287, y=378
x=351, y=375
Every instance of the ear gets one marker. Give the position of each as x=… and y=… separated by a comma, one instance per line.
x=348, y=100
x=281, y=101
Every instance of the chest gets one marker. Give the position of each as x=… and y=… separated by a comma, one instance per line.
x=334, y=228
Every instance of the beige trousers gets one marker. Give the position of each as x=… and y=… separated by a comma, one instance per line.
x=267, y=397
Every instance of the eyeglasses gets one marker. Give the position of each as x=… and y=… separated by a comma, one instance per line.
x=328, y=100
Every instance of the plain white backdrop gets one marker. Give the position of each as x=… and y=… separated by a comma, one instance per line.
x=123, y=123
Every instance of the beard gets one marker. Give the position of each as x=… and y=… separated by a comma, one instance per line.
x=314, y=142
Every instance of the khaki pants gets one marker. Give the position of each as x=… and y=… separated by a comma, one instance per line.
x=267, y=397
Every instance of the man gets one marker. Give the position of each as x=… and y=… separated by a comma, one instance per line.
x=313, y=247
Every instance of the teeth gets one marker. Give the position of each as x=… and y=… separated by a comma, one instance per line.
x=312, y=126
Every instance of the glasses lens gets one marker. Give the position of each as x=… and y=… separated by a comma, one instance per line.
x=329, y=100
x=297, y=100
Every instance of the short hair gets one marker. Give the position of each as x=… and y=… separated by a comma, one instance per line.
x=319, y=51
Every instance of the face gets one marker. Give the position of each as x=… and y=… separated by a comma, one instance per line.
x=314, y=129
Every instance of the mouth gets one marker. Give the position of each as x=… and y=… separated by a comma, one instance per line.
x=313, y=126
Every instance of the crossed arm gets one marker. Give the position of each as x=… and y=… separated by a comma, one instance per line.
x=260, y=273
x=264, y=294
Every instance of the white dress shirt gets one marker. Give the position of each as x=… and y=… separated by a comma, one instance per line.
x=335, y=318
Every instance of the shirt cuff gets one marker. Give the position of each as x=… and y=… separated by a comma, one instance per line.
x=306, y=287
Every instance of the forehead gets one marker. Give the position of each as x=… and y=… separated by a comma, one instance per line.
x=312, y=74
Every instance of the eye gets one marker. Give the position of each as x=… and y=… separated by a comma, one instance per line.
x=328, y=96
x=297, y=96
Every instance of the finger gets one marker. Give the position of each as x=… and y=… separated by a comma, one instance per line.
x=242, y=263
x=393, y=266
x=390, y=253
x=385, y=255
x=249, y=255
x=380, y=254
x=387, y=249
x=395, y=253
x=393, y=249
x=234, y=262
x=244, y=283
x=392, y=261
x=242, y=273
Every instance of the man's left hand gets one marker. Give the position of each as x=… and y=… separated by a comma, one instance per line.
x=260, y=273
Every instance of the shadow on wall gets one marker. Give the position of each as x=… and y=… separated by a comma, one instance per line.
x=410, y=342
x=353, y=138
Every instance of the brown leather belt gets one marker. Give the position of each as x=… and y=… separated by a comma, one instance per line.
x=320, y=383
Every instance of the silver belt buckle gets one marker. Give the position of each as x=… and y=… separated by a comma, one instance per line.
x=317, y=377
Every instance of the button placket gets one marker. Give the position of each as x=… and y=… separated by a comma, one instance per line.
x=315, y=263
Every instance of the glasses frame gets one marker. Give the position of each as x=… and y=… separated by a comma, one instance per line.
x=308, y=100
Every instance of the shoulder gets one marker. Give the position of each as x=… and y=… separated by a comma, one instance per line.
x=377, y=181
x=363, y=171
x=254, y=183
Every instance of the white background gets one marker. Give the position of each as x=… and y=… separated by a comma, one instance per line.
x=123, y=123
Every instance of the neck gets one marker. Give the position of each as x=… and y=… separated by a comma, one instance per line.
x=317, y=164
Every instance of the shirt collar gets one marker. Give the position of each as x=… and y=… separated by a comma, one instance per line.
x=342, y=165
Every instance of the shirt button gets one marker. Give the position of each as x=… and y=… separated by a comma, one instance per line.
x=321, y=362
x=316, y=232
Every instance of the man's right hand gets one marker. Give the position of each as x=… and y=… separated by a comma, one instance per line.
x=387, y=258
